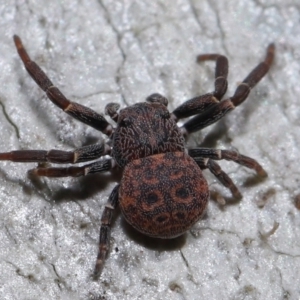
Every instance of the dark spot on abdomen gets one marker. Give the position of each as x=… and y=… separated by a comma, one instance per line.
x=182, y=193
x=151, y=198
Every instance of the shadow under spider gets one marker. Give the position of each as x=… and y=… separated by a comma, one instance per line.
x=153, y=243
x=217, y=132
x=81, y=189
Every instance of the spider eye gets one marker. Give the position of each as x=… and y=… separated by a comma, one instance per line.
x=162, y=113
x=165, y=114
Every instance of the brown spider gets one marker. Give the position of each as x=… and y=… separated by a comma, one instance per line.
x=162, y=192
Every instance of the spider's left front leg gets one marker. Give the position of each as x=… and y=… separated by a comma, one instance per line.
x=75, y=110
x=219, y=110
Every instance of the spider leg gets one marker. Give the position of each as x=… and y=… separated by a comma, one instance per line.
x=215, y=169
x=221, y=72
x=104, y=239
x=199, y=104
x=77, y=111
x=96, y=167
x=217, y=154
x=82, y=154
x=219, y=110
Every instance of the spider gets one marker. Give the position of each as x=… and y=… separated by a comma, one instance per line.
x=162, y=192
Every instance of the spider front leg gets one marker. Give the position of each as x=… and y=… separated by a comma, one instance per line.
x=219, y=110
x=199, y=104
x=77, y=111
x=104, y=238
x=221, y=72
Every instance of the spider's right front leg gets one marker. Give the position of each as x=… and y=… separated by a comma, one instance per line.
x=219, y=110
x=76, y=110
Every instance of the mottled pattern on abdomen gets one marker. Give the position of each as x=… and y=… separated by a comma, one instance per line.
x=163, y=195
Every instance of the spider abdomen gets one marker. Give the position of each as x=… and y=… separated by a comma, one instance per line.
x=163, y=195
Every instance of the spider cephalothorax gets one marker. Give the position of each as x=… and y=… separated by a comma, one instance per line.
x=162, y=192
x=145, y=129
